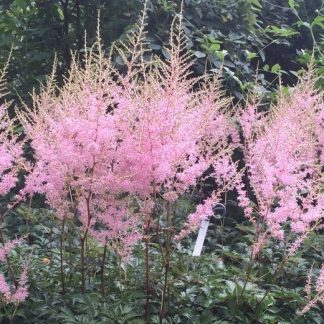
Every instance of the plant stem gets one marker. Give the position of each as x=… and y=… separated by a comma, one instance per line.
x=251, y=259
x=276, y=276
x=248, y=273
x=51, y=243
x=166, y=263
x=82, y=265
x=158, y=223
x=147, y=269
x=61, y=256
x=26, y=214
x=103, y=269
x=223, y=226
x=165, y=286
x=279, y=269
x=13, y=314
x=83, y=244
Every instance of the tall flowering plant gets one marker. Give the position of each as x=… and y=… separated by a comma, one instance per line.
x=109, y=145
x=172, y=128
x=283, y=154
x=11, y=162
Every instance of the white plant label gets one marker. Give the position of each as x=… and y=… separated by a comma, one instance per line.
x=203, y=229
x=201, y=237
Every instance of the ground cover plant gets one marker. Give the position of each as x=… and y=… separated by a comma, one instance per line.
x=106, y=179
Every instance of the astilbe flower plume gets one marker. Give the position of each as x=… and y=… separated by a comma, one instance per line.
x=11, y=162
x=174, y=127
x=319, y=291
x=106, y=143
x=283, y=152
x=11, y=154
x=13, y=293
x=75, y=143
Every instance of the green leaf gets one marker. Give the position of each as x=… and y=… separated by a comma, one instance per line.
x=283, y=31
x=318, y=21
x=215, y=47
x=58, y=12
x=221, y=54
x=291, y=4
x=276, y=69
x=21, y=4
x=266, y=67
x=256, y=3
x=250, y=55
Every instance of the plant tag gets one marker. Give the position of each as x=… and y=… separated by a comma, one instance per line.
x=201, y=237
x=220, y=209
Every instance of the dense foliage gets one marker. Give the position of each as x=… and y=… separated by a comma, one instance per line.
x=274, y=37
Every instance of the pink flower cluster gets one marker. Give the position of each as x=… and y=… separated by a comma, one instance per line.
x=10, y=153
x=283, y=152
x=11, y=161
x=7, y=248
x=8, y=293
x=319, y=291
x=108, y=143
x=10, y=147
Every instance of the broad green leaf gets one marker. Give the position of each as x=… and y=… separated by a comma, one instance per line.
x=215, y=47
x=250, y=55
x=276, y=68
x=221, y=54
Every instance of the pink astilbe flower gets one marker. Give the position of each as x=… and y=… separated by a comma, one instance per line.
x=11, y=162
x=319, y=131
x=258, y=244
x=4, y=287
x=282, y=152
x=319, y=291
x=179, y=127
x=7, y=248
x=10, y=293
x=11, y=154
x=21, y=292
x=107, y=143
x=75, y=140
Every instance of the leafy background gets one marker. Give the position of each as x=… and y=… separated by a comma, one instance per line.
x=240, y=36
x=247, y=40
